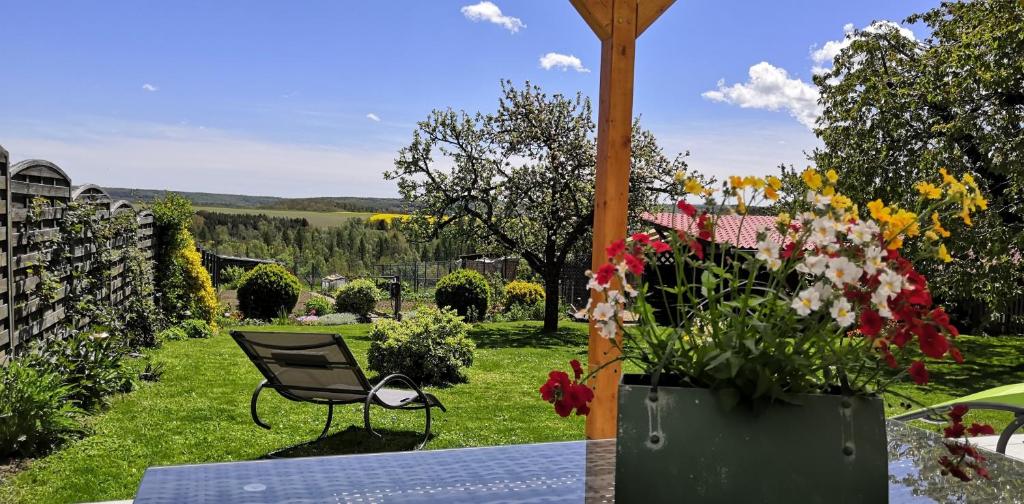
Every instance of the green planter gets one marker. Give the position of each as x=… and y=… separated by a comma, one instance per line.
x=684, y=447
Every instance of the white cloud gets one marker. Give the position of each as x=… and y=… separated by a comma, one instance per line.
x=562, y=62
x=373, y=117
x=487, y=11
x=149, y=87
x=827, y=52
x=771, y=88
x=188, y=158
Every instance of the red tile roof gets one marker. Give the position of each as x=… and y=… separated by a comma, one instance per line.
x=727, y=229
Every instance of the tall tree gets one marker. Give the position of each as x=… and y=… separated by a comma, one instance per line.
x=522, y=178
x=896, y=109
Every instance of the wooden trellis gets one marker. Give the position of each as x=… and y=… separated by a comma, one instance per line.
x=27, y=242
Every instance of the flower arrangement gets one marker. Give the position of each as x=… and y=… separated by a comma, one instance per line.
x=826, y=304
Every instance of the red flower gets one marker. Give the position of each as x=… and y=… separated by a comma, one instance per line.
x=697, y=249
x=641, y=238
x=977, y=429
x=605, y=273
x=660, y=247
x=918, y=373
x=577, y=369
x=957, y=356
x=687, y=208
x=617, y=247
x=552, y=389
x=958, y=411
x=787, y=251
x=635, y=264
x=940, y=317
x=703, y=227
x=870, y=322
x=954, y=431
x=932, y=343
x=890, y=360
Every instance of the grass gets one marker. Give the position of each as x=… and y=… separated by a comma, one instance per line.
x=199, y=411
x=316, y=219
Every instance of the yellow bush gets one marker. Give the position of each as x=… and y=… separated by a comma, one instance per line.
x=197, y=280
x=523, y=293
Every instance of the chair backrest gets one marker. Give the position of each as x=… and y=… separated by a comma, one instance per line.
x=305, y=366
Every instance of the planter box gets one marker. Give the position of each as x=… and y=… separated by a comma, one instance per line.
x=684, y=447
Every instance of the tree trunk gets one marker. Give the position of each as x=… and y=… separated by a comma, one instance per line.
x=551, y=301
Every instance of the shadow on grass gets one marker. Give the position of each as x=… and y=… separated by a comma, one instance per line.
x=521, y=335
x=350, y=441
x=989, y=361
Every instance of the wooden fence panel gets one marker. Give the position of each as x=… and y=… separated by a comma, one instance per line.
x=86, y=253
x=6, y=348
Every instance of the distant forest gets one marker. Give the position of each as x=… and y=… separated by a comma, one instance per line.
x=320, y=204
x=350, y=249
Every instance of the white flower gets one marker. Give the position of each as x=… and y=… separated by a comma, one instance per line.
x=823, y=232
x=890, y=283
x=813, y=264
x=767, y=250
x=842, y=271
x=807, y=301
x=824, y=289
x=607, y=329
x=615, y=297
x=873, y=261
x=881, y=302
x=820, y=201
x=842, y=312
x=863, y=232
x=593, y=285
x=774, y=264
x=604, y=312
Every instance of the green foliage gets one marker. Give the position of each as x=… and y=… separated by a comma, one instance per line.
x=895, y=109
x=88, y=363
x=34, y=411
x=184, y=284
x=197, y=328
x=430, y=347
x=230, y=276
x=319, y=306
x=465, y=291
x=175, y=333
x=267, y=291
x=521, y=177
x=359, y=297
x=139, y=319
x=521, y=312
x=518, y=292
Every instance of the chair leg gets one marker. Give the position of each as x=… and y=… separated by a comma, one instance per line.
x=426, y=432
x=1004, y=438
x=252, y=406
x=327, y=426
x=366, y=418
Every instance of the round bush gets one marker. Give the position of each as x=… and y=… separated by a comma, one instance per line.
x=319, y=306
x=431, y=347
x=519, y=292
x=266, y=291
x=359, y=296
x=464, y=291
x=196, y=328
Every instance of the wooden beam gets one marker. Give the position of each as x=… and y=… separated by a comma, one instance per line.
x=597, y=14
x=648, y=12
x=611, y=195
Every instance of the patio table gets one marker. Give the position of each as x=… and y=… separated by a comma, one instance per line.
x=577, y=471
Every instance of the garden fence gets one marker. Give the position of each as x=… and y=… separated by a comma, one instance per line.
x=215, y=263
x=418, y=275
x=28, y=239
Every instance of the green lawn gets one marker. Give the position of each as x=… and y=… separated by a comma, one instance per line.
x=316, y=219
x=199, y=412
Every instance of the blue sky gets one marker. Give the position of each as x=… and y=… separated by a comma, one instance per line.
x=275, y=98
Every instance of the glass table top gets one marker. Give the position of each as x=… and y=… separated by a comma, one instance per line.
x=577, y=471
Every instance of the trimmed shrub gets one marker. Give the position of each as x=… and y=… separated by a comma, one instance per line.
x=197, y=329
x=88, y=363
x=319, y=306
x=528, y=294
x=359, y=296
x=184, y=284
x=466, y=292
x=175, y=333
x=34, y=411
x=267, y=291
x=430, y=347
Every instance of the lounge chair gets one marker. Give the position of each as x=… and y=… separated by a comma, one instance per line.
x=320, y=369
x=1005, y=398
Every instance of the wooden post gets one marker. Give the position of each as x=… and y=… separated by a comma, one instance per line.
x=617, y=23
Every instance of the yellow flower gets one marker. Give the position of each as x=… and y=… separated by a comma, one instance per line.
x=741, y=206
x=812, y=178
x=692, y=186
x=774, y=182
x=931, y=235
x=679, y=175
x=981, y=202
x=943, y=254
x=969, y=180
x=736, y=182
x=947, y=179
x=770, y=193
x=785, y=218
x=895, y=244
x=965, y=214
x=755, y=182
x=937, y=226
x=879, y=211
x=839, y=201
x=928, y=190
x=832, y=176
x=828, y=191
